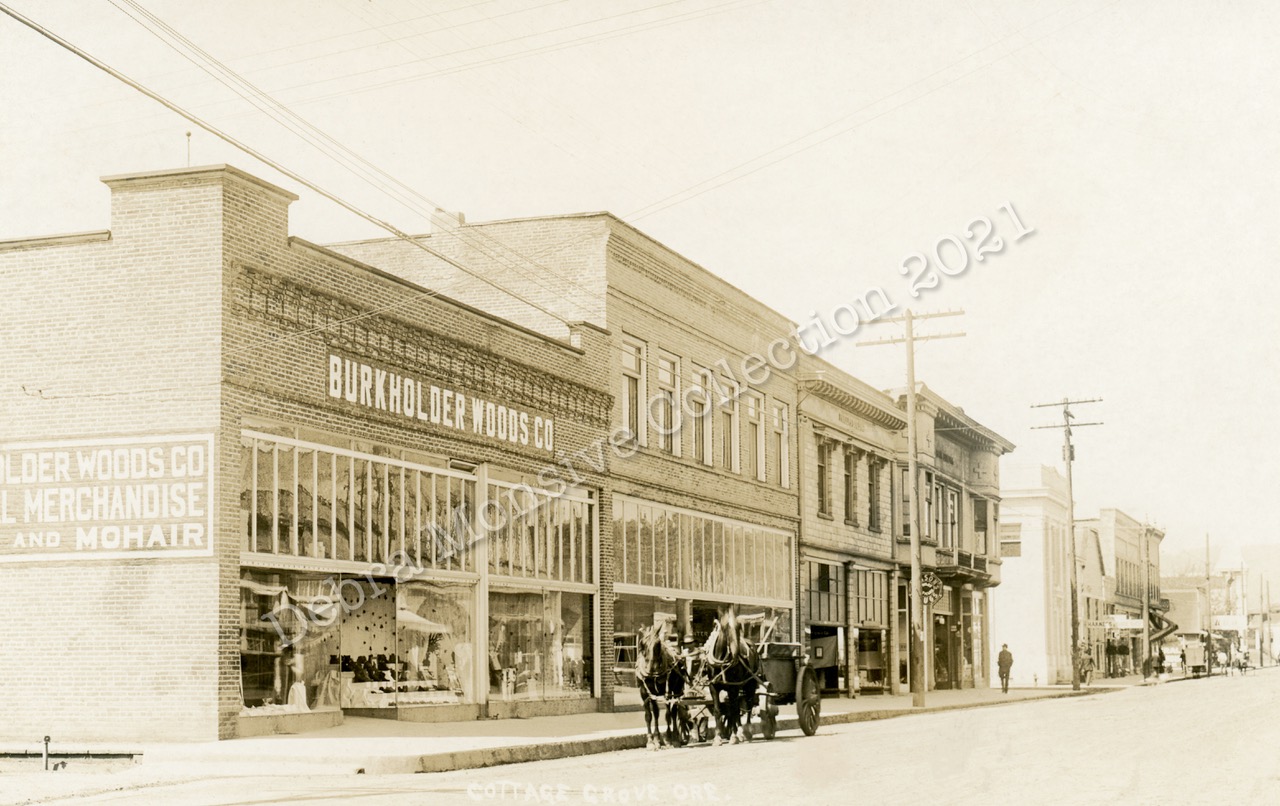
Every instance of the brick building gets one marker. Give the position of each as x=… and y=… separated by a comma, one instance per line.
x=249, y=483
x=848, y=563
x=704, y=486
x=245, y=480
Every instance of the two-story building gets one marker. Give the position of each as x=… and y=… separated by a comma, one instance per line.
x=958, y=460
x=848, y=570
x=704, y=505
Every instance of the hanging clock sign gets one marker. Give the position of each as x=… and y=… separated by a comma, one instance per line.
x=930, y=587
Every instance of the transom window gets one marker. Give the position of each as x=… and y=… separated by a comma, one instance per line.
x=366, y=504
x=666, y=547
x=826, y=592
x=534, y=535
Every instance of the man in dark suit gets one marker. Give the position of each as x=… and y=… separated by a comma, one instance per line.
x=1005, y=662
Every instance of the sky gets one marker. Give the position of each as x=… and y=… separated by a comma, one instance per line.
x=804, y=150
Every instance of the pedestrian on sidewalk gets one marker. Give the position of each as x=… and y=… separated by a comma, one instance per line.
x=1005, y=662
x=1087, y=667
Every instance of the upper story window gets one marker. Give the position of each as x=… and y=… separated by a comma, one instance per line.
x=929, y=526
x=906, y=502
x=950, y=518
x=1011, y=540
x=824, y=477
x=979, y=506
x=633, y=389
x=753, y=447
x=699, y=400
x=874, y=468
x=729, y=431
x=782, y=442
x=667, y=414
x=851, y=486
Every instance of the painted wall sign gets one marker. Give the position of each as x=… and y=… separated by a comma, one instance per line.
x=130, y=497
x=372, y=387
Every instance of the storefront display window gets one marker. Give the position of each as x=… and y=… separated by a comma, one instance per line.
x=311, y=642
x=434, y=643
x=289, y=643
x=540, y=645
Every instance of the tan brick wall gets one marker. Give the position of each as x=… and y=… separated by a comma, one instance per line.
x=113, y=337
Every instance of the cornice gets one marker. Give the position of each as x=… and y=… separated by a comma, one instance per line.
x=341, y=323
x=816, y=383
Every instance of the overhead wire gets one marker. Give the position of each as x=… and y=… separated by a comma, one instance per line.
x=338, y=151
x=663, y=203
x=419, y=59
x=636, y=156
x=354, y=162
x=315, y=188
x=730, y=5
x=344, y=35
x=721, y=8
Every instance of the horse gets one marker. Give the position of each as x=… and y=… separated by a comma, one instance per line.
x=735, y=673
x=661, y=682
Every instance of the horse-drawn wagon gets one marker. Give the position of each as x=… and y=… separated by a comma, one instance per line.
x=788, y=678
x=738, y=673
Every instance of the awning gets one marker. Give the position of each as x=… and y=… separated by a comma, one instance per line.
x=412, y=621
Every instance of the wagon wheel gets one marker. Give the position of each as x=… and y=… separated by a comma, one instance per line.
x=768, y=724
x=683, y=726
x=808, y=701
x=700, y=727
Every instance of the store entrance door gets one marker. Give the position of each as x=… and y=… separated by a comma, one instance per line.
x=825, y=650
x=943, y=657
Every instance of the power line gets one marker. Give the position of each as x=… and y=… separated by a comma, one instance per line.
x=263, y=158
x=340, y=153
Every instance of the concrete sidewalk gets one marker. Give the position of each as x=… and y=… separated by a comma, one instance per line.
x=378, y=746
x=361, y=739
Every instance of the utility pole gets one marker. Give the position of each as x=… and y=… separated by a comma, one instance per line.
x=913, y=474
x=1146, y=593
x=1270, y=647
x=1210, y=648
x=1069, y=455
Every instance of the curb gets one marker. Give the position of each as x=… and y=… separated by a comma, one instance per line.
x=519, y=754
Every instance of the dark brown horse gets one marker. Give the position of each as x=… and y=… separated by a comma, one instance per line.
x=661, y=680
x=734, y=673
